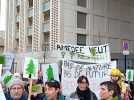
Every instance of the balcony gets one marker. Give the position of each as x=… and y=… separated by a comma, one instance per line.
x=29, y=30
x=30, y=12
x=17, y=35
x=17, y=2
x=29, y=48
x=17, y=18
x=45, y=46
x=46, y=6
x=45, y=26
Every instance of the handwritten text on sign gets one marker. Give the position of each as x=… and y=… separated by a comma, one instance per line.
x=96, y=73
x=100, y=53
x=91, y=70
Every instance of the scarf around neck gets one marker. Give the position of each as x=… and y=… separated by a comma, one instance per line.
x=83, y=95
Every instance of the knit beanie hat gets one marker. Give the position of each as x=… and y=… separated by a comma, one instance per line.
x=16, y=81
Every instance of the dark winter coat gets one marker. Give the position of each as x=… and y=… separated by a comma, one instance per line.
x=84, y=95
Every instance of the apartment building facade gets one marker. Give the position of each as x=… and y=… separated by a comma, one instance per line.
x=37, y=25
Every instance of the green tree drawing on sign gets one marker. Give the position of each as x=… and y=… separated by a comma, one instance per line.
x=129, y=75
x=50, y=74
x=7, y=79
x=93, y=52
x=30, y=70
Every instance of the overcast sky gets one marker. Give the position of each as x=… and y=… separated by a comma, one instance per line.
x=3, y=15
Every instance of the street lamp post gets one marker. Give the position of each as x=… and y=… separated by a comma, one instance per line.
x=125, y=62
x=125, y=52
x=44, y=57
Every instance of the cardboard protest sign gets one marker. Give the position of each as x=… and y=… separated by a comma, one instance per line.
x=2, y=96
x=96, y=73
x=95, y=54
x=50, y=72
x=36, y=88
x=31, y=68
x=130, y=75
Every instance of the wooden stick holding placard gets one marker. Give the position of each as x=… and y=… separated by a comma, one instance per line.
x=30, y=87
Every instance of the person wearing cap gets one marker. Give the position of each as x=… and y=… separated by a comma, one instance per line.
x=52, y=91
x=83, y=91
x=16, y=90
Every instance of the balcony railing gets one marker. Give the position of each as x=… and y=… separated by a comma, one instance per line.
x=30, y=12
x=17, y=18
x=46, y=6
x=29, y=47
x=29, y=30
x=17, y=2
x=17, y=34
x=45, y=26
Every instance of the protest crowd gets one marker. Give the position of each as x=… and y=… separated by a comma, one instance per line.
x=71, y=80
x=114, y=89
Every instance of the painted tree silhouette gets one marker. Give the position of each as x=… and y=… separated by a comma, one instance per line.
x=50, y=74
x=30, y=70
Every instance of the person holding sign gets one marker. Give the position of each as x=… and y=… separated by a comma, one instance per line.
x=16, y=90
x=52, y=91
x=83, y=91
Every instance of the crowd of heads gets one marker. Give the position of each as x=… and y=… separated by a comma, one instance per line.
x=52, y=88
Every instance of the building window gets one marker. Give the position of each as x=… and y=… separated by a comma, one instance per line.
x=30, y=3
x=82, y=3
x=30, y=21
x=30, y=40
x=81, y=20
x=17, y=26
x=81, y=39
x=18, y=9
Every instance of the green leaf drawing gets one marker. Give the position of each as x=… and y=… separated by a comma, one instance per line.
x=93, y=52
x=50, y=74
x=129, y=75
x=30, y=70
x=7, y=79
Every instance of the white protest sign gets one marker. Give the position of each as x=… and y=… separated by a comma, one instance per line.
x=50, y=72
x=8, y=60
x=2, y=96
x=31, y=67
x=130, y=75
x=96, y=73
x=95, y=54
